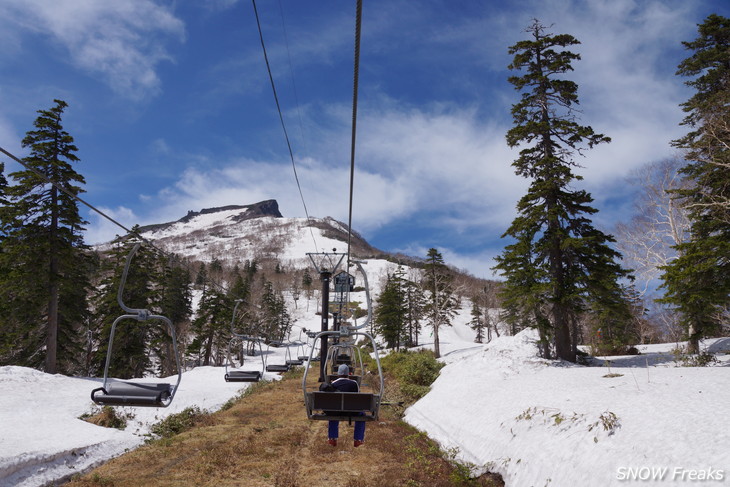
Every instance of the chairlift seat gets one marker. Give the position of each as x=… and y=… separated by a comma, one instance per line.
x=343, y=359
x=243, y=376
x=343, y=406
x=294, y=362
x=302, y=358
x=133, y=394
x=277, y=368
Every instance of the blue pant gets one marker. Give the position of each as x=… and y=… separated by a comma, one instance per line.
x=334, y=430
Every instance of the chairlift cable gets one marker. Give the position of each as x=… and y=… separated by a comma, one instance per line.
x=356, y=76
x=69, y=193
x=291, y=74
x=93, y=208
x=281, y=118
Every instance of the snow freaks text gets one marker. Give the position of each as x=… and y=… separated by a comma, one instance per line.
x=659, y=474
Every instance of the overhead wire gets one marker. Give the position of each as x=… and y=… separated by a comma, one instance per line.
x=281, y=119
x=291, y=73
x=66, y=191
x=356, y=77
x=69, y=193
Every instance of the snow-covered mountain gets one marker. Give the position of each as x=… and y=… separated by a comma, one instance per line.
x=232, y=234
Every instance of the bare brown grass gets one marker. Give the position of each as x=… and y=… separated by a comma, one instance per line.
x=266, y=440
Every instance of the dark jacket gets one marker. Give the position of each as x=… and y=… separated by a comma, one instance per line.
x=344, y=384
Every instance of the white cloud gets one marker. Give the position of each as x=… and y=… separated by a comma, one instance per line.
x=102, y=230
x=450, y=161
x=120, y=41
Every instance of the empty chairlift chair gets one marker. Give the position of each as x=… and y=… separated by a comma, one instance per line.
x=115, y=392
x=278, y=367
x=239, y=375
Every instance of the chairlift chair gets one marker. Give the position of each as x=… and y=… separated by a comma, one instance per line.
x=344, y=353
x=278, y=367
x=345, y=406
x=243, y=375
x=126, y=393
x=291, y=361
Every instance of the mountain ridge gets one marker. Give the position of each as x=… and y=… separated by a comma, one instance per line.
x=235, y=233
x=255, y=210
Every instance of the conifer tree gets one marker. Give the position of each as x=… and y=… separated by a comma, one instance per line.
x=442, y=302
x=477, y=322
x=176, y=304
x=415, y=302
x=390, y=312
x=698, y=281
x=211, y=326
x=558, y=259
x=43, y=256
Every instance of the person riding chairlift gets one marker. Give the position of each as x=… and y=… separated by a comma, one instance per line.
x=344, y=384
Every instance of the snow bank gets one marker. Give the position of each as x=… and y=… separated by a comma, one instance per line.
x=540, y=422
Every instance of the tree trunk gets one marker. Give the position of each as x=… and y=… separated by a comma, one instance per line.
x=693, y=344
x=52, y=333
x=436, y=348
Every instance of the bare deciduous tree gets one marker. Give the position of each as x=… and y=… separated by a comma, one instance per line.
x=659, y=222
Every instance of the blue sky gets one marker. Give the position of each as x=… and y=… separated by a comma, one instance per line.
x=171, y=108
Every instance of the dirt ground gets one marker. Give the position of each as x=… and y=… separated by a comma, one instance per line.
x=265, y=439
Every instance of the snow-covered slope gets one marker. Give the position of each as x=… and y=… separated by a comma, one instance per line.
x=235, y=234
x=548, y=423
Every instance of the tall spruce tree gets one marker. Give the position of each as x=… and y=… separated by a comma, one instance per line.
x=44, y=260
x=442, y=302
x=415, y=302
x=477, y=322
x=390, y=312
x=559, y=261
x=211, y=327
x=698, y=281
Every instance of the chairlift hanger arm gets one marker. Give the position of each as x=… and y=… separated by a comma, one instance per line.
x=326, y=255
x=368, y=300
x=121, y=393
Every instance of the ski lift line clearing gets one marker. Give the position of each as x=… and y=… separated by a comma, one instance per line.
x=243, y=375
x=125, y=393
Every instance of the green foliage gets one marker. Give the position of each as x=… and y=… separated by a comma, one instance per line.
x=389, y=312
x=414, y=371
x=177, y=423
x=211, y=326
x=698, y=281
x=44, y=263
x=701, y=359
x=441, y=303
